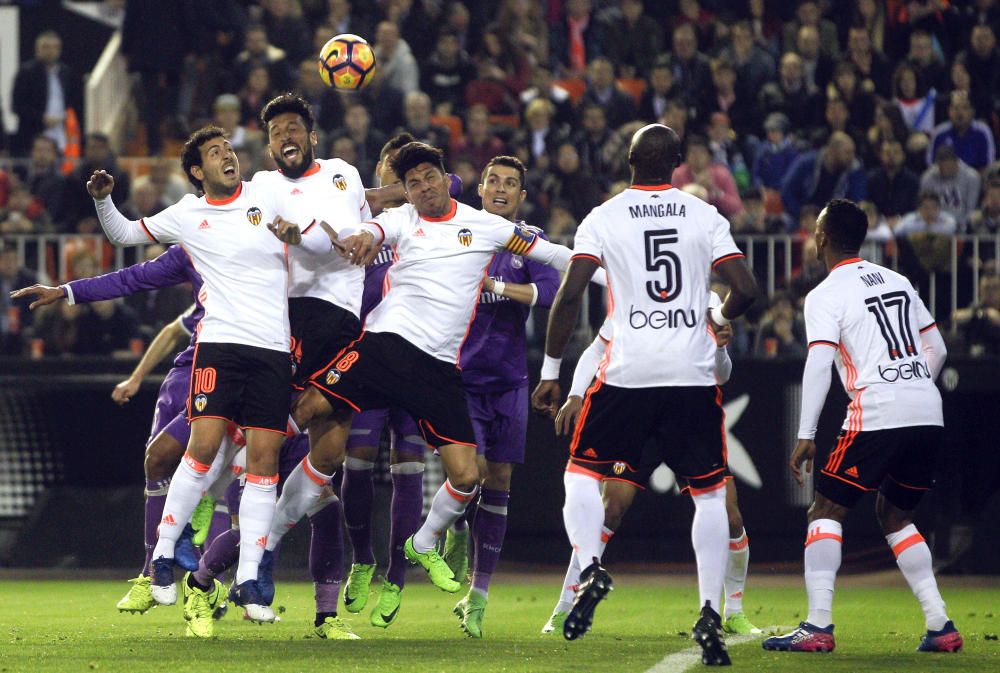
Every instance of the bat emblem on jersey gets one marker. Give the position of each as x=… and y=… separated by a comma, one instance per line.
x=340, y=182
x=618, y=468
x=465, y=237
x=200, y=403
x=332, y=377
x=254, y=216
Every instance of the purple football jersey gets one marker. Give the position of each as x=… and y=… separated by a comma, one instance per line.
x=374, y=280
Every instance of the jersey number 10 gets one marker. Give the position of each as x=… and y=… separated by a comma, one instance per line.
x=899, y=336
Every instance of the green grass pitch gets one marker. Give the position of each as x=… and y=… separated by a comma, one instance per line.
x=70, y=626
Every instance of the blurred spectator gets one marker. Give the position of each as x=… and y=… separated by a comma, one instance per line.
x=972, y=139
x=892, y=187
x=344, y=148
x=791, y=95
x=227, y=114
x=446, y=74
x=660, y=89
x=341, y=19
x=15, y=319
x=725, y=150
x=838, y=119
x=165, y=177
x=888, y=125
x=419, y=21
x=543, y=85
x=675, y=115
x=43, y=177
x=632, y=40
x=714, y=178
x=602, y=150
x=417, y=112
x=817, y=66
x=956, y=185
x=808, y=14
x=928, y=218
x=861, y=103
x=979, y=323
x=986, y=220
x=983, y=60
x=57, y=328
x=766, y=25
x=924, y=59
x=397, y=68
x=97, y=155
x=576, y=38
x=478, y=144
x=872, y=67
x=870, y=18
x=145, y=201
x=774, y=156
x=916, y=104
x=498, y=61
x=44, y=89
x=524, y=25
x=602, y=90
x=286, y=29
x=724, y=98
x=540, y=136
x=156, y=308
x=692, y=13
x=754, y=218
x=816, y=177
x=108, y=328
x=692, y=70
x=171, y=27
x=754, y=65
x=326, y=101
x=568, y=181
x=492, y=86
x=24, y=214
x=254, y=95
x=961, y=82
x=258, y=52
x=367, y=141
x=782, y=331
x=470, y=177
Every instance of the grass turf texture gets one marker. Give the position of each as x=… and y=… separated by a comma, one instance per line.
x=68, y=626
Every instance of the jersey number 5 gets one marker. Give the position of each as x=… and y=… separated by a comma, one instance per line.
x=898, y=334
x=658, y=257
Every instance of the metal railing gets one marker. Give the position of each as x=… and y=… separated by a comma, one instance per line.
x=51, y=255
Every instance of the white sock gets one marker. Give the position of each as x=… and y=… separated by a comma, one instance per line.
x=824, y=543
x=572, y=579
x=301, y=491
x=449, y=503
x=583, y=515
x=913, y=557
x=256, y=515
x=186, y=488
x=710, y=539
x=736, y=573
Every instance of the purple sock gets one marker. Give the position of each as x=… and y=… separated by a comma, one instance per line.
x=156, y=496
x=220, y=556
x=221, y=522
x=358, y=493
x=405, y=512
x=326, y=556
x=488, y=530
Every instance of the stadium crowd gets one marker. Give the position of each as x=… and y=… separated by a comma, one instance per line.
x=781, y=106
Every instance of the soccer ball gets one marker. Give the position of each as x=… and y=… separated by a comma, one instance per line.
x=346, y=62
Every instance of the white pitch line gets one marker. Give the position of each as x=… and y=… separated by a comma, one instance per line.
x=678, y=662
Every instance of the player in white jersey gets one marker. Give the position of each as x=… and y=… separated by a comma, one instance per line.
x=622, y=482
x=241, y=372
x=657, y=379
x=408, y=353
x=871, y=323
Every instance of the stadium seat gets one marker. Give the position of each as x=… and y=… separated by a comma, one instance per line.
x=452, y=123
x=634, y=86
x=575, y=86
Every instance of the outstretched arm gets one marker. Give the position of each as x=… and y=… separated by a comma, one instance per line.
x=119, y=229
x=165, y=343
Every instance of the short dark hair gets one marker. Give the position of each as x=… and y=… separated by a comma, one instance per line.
x=394, y=143
x=697, y=140
x=191, y=154
x=287, y=102
x=49, y=140
x=845, y=224
x=510, y=162
x=928, y=195
x=412, y=155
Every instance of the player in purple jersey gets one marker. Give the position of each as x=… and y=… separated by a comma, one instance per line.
x=495, y=376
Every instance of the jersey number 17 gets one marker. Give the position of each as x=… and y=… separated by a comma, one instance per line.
x=897, y=333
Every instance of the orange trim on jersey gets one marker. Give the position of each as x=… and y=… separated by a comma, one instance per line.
x=843, y=262
x=846, y=481
x=702, y=491
x=652, y=188
x=581, y=421
x=228, y=199
x=311, y=225
x=444, y=218
x=192, y=419
x=583, y=255
x=437, y=434
x=742, y=543
x=726, y=258
x=475, y=307
x=313, y=170
x=902, y=546
x=580, y=469
x=142, y=223
x=283, y=433
x=606, y=537
x=343, y=399
x=822, y=342
x=928, y=328
x=630, y=482
x=816, y=536
x=314, y=476
x=195, y=464
x=379, y=228
x=262, y=480
x=706, y=475
x=456, y=494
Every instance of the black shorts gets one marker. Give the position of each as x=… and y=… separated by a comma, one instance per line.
x=684, y=423
x=898, y=462
x=382, y=369
x=320, y=330
x=244, y=384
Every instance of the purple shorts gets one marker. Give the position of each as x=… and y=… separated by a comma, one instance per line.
x=405, y=437
x=172, y=400
x=500, y=421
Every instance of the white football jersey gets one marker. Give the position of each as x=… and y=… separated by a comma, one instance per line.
x=432, y=290
x=332, y=192
x=658, y=245
x=874, y=318
x=243, y=266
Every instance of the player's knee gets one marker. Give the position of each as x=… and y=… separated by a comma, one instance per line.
x=891, y=518
x=308, y=407
x=464, y=478
x=162, y=457
x=823, y=508
x=614, y=512
x=498, y=476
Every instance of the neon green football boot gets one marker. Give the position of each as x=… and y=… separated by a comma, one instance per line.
x=555, y=623
x=139, y=598
x=739, y=623
x=359, y=584
x=456, y=553
x=470, y=611
x=387, y=610
x=334, y=628
x=199, y=608
x=201, y=519
x=441, y=575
